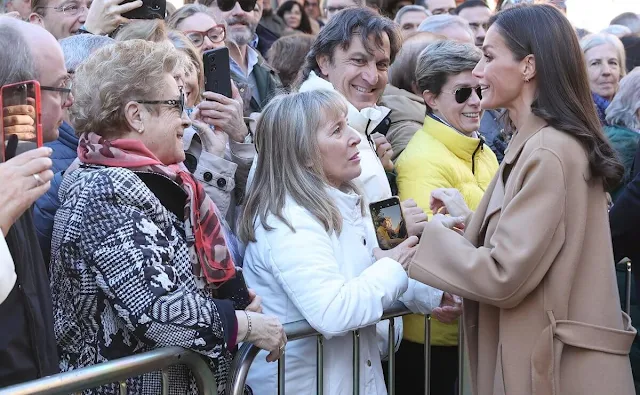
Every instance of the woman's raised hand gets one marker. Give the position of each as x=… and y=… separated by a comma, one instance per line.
x=449, y=201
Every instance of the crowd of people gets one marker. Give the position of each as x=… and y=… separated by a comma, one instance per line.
x=509, y=136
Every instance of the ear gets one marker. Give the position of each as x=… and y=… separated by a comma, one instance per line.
x=134, y=114
x=324, y=64
x=430, y=99
x=36, y=19
x=528, y=65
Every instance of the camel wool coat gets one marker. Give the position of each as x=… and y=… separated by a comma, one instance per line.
x=535, y=268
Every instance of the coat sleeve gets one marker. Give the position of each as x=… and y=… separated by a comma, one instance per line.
x=134, y=265
x=529, y=235
x=304, y=265
x=44, y=212
x=242, y=155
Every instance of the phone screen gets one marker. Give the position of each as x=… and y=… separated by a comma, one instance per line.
x=388, y=222
x=21, y=115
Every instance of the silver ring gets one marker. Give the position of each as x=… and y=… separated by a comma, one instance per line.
x=38, y=179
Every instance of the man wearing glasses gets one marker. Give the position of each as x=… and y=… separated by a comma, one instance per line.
x=62, y=18
x=256, y=81
x=28, y=349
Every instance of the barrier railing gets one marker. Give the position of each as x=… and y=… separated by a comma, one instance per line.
x=119, y=370
x=301, y=329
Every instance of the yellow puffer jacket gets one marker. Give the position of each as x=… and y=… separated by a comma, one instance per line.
x=439, y=157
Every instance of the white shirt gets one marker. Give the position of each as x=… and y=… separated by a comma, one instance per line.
x=333, y=282
x=7, y=270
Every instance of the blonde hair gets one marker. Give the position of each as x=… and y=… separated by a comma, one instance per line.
x=289, y=163
x=115, y=75
x=185, y=46
x=143, y=29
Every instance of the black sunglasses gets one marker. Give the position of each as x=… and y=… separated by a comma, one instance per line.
x=463, y=94
x=227, y=5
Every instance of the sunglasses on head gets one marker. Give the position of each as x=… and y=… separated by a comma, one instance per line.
x=463, y=94
x=227, y=5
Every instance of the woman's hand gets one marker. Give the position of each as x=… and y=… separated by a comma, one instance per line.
x=24, y=179
x=267, y=333
x=383, y=150
x=213, y=141
x=415, y=218
x=453, y=223
x=449, y=310
x=225, y=114
x=20, y=120
x=402, y=254
x=449, y=201
x=256, y=302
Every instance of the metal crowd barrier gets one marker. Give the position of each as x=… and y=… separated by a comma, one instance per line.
x=119, y=370
x=301, y=329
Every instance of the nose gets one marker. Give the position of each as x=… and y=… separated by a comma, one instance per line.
x=186, y=121
x=207, y=44
x=354, y=138
x=474, y=99
x=237, y=10
x=84, y=11
x=370, y=75
x=606, y=69
x=69, y=102
x=478, y=71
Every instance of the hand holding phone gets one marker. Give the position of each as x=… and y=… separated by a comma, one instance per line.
x=217, y=71
x=388, y=222
x=21, y=114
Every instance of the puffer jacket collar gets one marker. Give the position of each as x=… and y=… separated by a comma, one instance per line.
x=462, y=146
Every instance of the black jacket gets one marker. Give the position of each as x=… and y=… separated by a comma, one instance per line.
x=27, y=343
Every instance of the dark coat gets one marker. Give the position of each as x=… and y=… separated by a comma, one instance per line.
x=27, y=342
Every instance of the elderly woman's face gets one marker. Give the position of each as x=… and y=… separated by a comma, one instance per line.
x=464, y=116
x=359, y=75
x=603, y=67
x=164, y=123
x=337, y=144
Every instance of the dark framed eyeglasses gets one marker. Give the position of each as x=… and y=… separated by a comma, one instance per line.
x=71, y=9
x=174, y=103
x=227, y=5
x=216, y=34
x=463, y=94
x=64, y=91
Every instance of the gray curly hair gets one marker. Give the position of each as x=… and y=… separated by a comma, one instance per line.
x=115, y=75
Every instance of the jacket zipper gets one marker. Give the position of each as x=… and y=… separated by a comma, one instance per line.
x=480, y=147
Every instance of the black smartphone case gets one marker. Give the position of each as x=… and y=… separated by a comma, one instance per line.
x=217, y=72
x=150, y=9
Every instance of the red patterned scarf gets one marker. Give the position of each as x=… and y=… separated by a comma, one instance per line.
x=203, y=229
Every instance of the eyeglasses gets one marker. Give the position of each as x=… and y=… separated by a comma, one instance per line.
x=64, y=91
x=216, y=34
x=227, y=5
x=444, y=11
x=177, y=104
x=463, y=94
x=71, y=9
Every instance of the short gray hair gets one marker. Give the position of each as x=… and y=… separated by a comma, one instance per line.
x=442, y=59
x=113, y=76
x=19, y=66
x=628, y=19
x=188, y=11
x=437, y=23
x=410, y=8
x=617, y=30
x=594, y=40
x=402, y=73
x=78, y=48
x=344, y=27
x=623, y=110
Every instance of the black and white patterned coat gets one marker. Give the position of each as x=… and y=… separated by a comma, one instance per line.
x=122, y=282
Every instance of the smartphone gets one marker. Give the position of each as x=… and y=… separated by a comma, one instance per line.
x=235, y=289
x=388, y=222
x=21, y=115
x=150, y=9
x=217, y=72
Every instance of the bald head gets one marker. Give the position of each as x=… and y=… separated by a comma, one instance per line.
x=42, y=60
